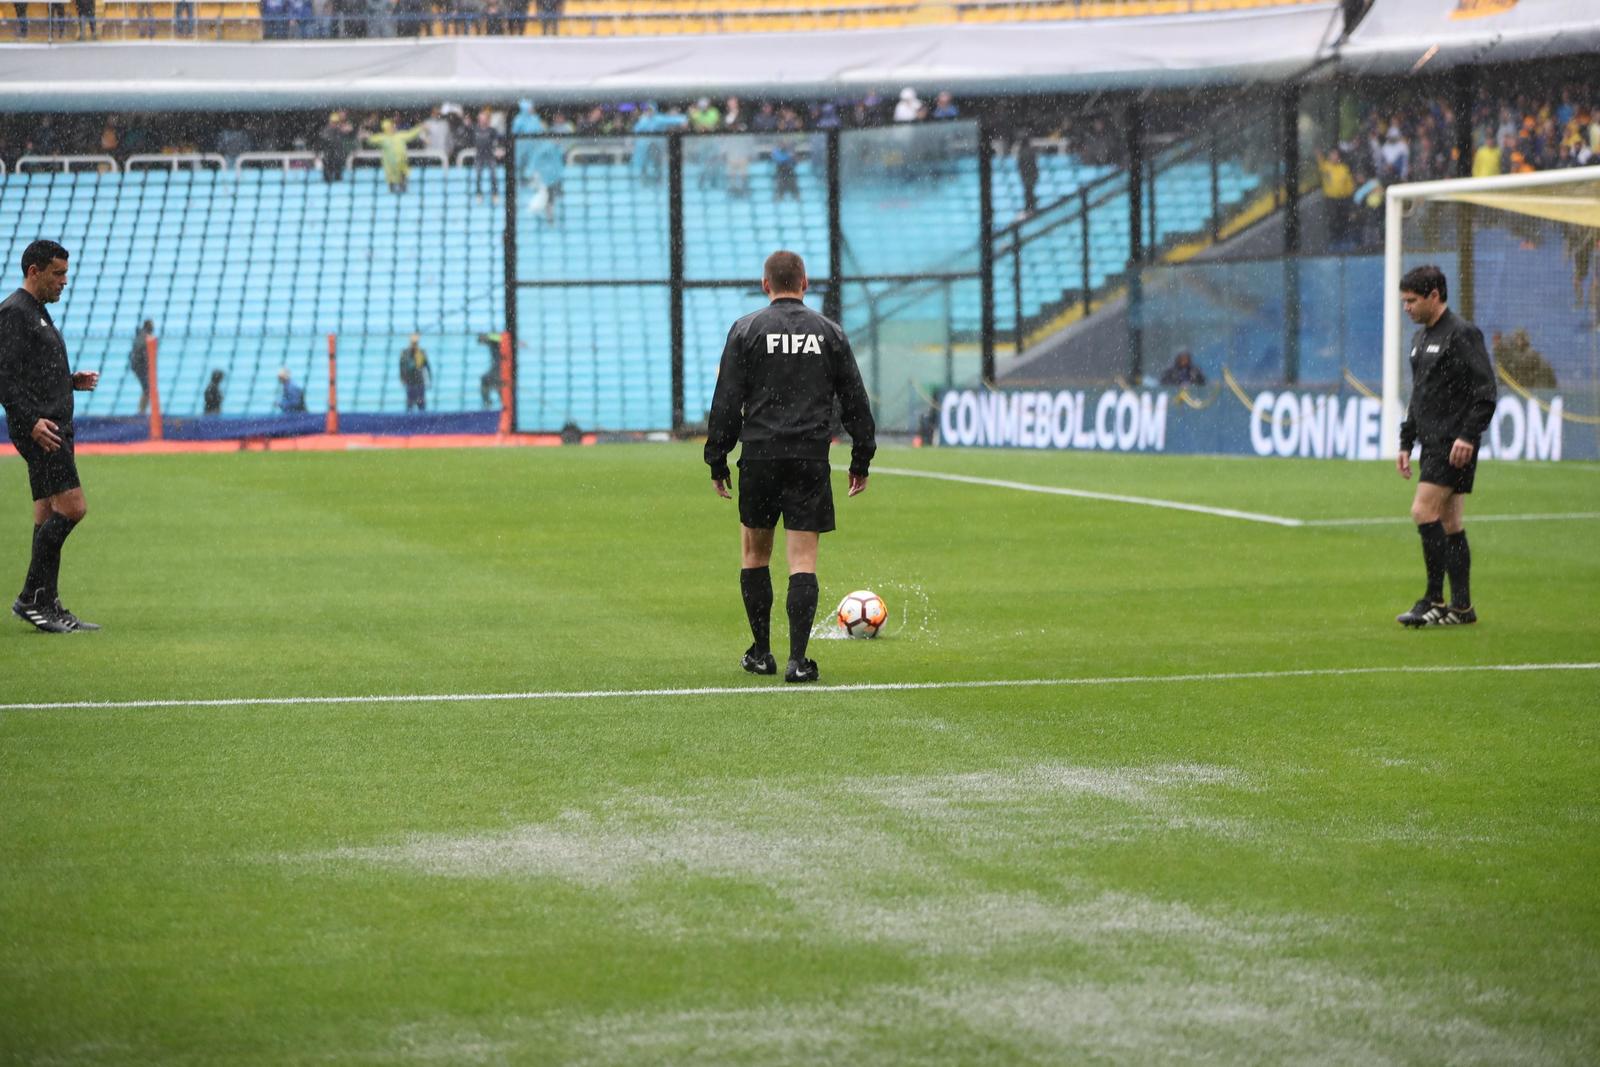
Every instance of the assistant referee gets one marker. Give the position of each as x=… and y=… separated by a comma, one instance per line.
x=782, y=369
x=36, y=386
x=1452, y=402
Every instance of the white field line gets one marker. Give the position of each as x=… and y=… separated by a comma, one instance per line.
x=1226, y=513
x=1088, y=494
x=770, y=690
x=1548, y=516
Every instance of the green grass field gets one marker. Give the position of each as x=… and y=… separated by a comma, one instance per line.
x=1169, y=850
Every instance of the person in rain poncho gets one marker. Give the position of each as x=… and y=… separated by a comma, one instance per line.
x=392, y=143
x=526, y=123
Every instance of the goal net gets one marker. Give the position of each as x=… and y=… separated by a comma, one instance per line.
x=1521, y=254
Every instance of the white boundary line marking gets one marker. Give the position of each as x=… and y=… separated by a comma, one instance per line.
x=769, y=690
x=1088, y=494
x=1551, y=516
x=1226, y=513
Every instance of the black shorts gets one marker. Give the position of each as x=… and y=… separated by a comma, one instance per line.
x=1435, y=468
x=49, y=473
x=800, y=490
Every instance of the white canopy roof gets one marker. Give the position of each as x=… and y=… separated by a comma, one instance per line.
x=1402, y=35
x=1108, y=53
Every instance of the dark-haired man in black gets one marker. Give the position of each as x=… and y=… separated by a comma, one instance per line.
x=36, y=386
x=1452, y=401
x=782, y=369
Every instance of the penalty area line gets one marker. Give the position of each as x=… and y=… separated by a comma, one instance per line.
x=754, y=690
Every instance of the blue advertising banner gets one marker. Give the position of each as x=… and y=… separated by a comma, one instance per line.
x=1526, y=426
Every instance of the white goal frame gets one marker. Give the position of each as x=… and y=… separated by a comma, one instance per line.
x=1397, y=197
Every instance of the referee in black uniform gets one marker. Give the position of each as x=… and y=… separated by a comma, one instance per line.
x=36, y=385
x=781, y=371
x=1452, y=401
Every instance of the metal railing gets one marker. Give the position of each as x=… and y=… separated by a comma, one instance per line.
x=191, y=160
x=66, y=163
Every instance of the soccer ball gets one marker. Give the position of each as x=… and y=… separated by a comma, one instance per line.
x=862, y=614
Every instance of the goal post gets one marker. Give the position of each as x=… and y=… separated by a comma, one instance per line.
x=1521, y=253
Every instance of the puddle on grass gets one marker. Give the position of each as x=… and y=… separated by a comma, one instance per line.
x=911, y=613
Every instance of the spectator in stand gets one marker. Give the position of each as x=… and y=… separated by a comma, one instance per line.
x=86, y=15
x=411, y=17
x=1394, y=157
x=785, y=180
x=486, y=156
x=548, y=158
x=944, y=106
x=139, y=362
x=1183, y=371
x=231, y=143
x=738, y=152
x=338, y=140
x=183, y=18
x=415, y=374
x=1028, y=172
x=274, y=20
x=392, y=143
x=144, y=12
x=909, y=109
x=109, y=140
x=704, y=116
x=292, y=399
x=1338, y=186
x=766, y=120
x=214, y=394
x=21, y=8
x=436, y=133
x=380, y=18
x=494, y=19
x=550, y=17
x=526, y=124
x=304, y=17
x=517, y=17
x=1486, y=160
x=490, y=383
x=789, y=120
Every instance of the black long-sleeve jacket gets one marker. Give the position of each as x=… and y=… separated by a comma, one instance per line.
x=781, y=370
x=1452, y=384
x=35, y=377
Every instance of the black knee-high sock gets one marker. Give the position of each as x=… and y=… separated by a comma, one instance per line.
x=46, y=566
x=28, y=583
x=755, y=586
x=1433, y=550
x=802, y=608
x=1458, y=562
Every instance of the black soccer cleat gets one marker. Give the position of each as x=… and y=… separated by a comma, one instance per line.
x=1418, y=614
x=759, y=663
x=1453, y=616
x=40, y=615
x=78, y=625
x=801, y=670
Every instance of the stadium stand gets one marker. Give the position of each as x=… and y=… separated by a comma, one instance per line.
x=278, y=19
x=248, y=269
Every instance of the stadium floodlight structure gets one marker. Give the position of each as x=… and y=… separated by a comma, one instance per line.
x=1527, y=244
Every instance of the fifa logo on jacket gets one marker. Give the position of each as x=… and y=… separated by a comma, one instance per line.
x=794, y=344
